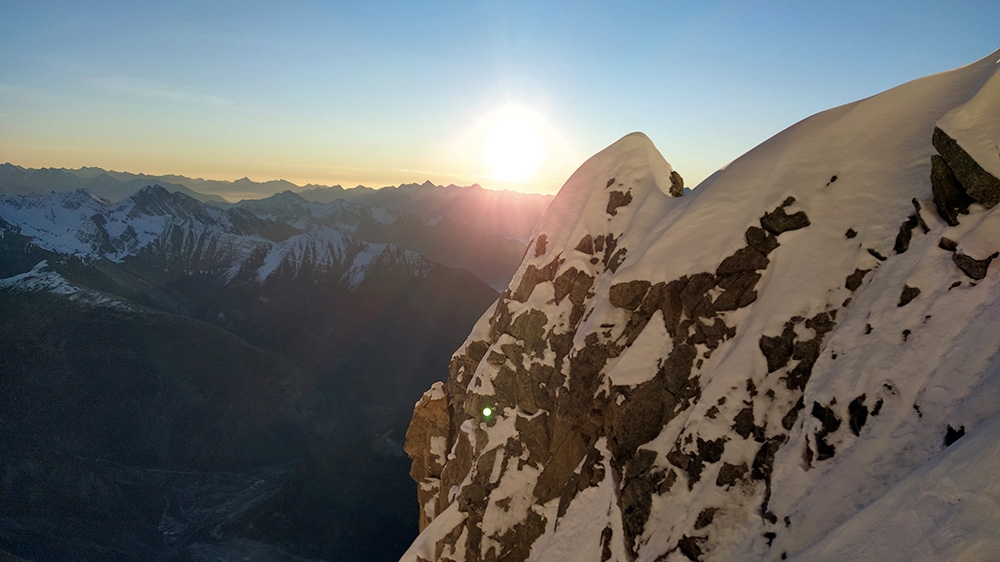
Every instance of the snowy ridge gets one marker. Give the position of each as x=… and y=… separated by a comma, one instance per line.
x=82, y=224
x=321, y=247
x=329, y=249
x=58, y=221
x=185, y=236
x=734, y=373
x=43, y=278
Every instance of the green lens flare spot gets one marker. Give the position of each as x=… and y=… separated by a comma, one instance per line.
x=487, y=412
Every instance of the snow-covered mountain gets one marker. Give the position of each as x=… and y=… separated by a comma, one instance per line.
x=179, y=235
x=796, y=360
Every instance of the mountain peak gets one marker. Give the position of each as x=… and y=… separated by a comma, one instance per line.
x=154, y=189
x=736, y=373
x=608, y=204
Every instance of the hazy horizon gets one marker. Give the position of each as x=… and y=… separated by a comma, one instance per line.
x=264, y=188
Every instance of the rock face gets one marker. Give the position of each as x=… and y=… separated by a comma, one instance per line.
x=726, y=375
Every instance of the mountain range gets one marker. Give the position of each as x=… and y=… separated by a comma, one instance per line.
x=182, y=380
x=795, y=360
x=506, y=213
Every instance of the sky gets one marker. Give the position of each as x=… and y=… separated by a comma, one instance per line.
x=511, y=95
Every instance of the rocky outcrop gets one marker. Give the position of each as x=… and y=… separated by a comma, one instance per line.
x=976, y=182
x=426, y=439
x=958, y=180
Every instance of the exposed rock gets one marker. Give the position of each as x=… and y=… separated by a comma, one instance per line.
x=737, y=291
x=628, y=295
x=975, y=269
x=920, y=218
x=615, y=261
x=576, y=285
x=431, y=421
x=640, y=417
x=778, y=349
x=953, y=435
x=529, y=327
x=586, y=245
x=905, y=234
x=743, y=423
x=540, y=245
x=949, y=197
x=676, y=184
x=668, y=481
x=858, y=413
x=577, y=419
x=763, y=461
x=822, y=322
x=635, y=502
x=760, y=240
x=830, y=423
x=518, y=540
x=693, y=463
x=947, y=244
x=979, y=184
x=618, y=199
x=855, y=279
x=606, y=536
x=807, y=352
x=705, y=517
x=730, y=474
x=610, y=255
x=533, y=276
x=789, y=419
x=744, y=260
x=777, y=221
x=875, y=254
x=851, y=233
x=878, y=407
x=534, y=434
x=909, y=293
x=691, y=547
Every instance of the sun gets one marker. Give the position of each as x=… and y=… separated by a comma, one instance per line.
x=514, y=147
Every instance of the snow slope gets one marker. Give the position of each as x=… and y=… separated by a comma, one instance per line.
x=739, y=372
x=43, y=278
x=948, y=509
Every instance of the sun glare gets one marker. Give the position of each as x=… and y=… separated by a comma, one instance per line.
x=513, y=149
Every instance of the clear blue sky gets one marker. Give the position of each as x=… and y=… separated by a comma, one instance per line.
x=384, y=93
